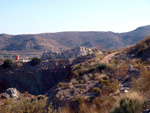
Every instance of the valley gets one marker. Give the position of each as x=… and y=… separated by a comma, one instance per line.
x=69, y=78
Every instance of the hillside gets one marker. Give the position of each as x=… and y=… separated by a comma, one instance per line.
x=75, y=85
x=38, y=43
x=140, y=50
x=132, y=37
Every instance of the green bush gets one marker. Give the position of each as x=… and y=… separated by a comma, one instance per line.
x=127, y=105
x=98, y=68
x=7, y=64
x=102, y=66
x=35, y=61
x=60, y=84
x=96, y=90
x=105, y=82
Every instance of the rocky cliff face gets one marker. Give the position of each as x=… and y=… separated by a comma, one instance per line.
x=35, y=80
x=38, y=80
x=72, y=53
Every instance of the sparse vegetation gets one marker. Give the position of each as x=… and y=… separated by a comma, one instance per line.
x=80, y=100
x=133, y=102
x=88, y=86
x=127, y=105
x=7, y=64
x=141, y=49
x=96, y=90
x=143, y=83
x=60, y=84
x=27, y=106
x=35, y=61
x=105, y=82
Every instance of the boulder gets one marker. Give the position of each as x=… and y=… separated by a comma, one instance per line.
x=10, y=93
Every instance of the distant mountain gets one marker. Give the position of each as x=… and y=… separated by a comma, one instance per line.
x=67, y=40
x=132, y=37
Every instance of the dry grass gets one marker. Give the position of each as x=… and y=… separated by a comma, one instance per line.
x=105, y=104
x=131, y=95
x=68, y=109
x=132, y=102
x=98, y=105
x=143, y=83
x=27, y=106
x=120, y=71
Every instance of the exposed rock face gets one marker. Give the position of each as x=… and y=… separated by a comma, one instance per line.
x=72, y=53
x=10, y=93
x=35, y=80
x=38, y=80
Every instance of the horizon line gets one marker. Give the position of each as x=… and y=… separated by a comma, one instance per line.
x=71, y=31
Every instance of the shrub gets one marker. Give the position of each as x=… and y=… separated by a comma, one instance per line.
x=35, y=61
x=97, y=105
x=97, y=68
x=120, y=71
x=60, y=84
x=115, y=86
x=28, y=106
x=7, y=64
x=102, y=66
x=105, y=82
x=18, y=65
x=80, y=100
x=127, y=105
x=143, y=83
x=80, y=81
x=132, y=102
x=96, y=90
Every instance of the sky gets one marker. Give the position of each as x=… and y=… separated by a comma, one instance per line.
x=42, y=16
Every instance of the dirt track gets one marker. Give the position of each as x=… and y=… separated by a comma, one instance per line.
x=107, y=58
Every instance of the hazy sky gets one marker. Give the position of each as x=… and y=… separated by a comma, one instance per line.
x=40, y=16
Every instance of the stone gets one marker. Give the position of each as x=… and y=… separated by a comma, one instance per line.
x=71, y=53
x=10, y=93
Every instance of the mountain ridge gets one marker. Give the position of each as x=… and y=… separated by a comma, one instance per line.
x=71, y=39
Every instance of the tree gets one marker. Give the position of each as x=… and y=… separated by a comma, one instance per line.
x=7, y=64
x=35, y=61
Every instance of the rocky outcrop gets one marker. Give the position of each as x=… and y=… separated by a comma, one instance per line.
x=36, y=80
x=71, y=92
x=39, y=79
x=10, y=93
x=72, y=53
